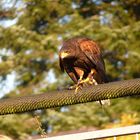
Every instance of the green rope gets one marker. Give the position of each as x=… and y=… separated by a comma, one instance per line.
x=68, y=97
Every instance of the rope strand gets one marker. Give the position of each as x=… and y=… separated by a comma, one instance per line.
x=68, y=97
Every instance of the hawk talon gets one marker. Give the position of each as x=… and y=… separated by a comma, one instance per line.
x=78, y=86
x=94, y=82
x=85, y=82
x=72, y=87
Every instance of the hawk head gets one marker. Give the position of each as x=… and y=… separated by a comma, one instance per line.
x=65, y=54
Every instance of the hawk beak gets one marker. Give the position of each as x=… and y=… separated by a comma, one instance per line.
x=64, y=54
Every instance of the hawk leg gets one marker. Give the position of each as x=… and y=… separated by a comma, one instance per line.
x=102, y=102
x=79, y=82
x=89, y=80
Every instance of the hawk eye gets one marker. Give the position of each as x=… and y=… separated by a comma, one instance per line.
x=67, y=51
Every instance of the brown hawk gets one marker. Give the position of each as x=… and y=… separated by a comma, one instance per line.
x=81, y=58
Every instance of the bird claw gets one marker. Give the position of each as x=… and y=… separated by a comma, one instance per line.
x=72, y=87
x=81, y=83
x=85, y=82
x=78, y=87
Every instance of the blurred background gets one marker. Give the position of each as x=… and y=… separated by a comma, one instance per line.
x=31, y=34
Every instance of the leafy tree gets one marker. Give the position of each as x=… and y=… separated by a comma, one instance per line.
x=29, y=49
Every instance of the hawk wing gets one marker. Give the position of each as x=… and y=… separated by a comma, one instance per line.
x=92, y=52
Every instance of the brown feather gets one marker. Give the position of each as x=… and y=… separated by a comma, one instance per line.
x=92, y=51
x=83, y=55
x=61, y=64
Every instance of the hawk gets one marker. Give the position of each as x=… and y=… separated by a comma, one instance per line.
x=81, y=58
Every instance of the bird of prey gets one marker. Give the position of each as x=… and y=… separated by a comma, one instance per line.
x=81, y=58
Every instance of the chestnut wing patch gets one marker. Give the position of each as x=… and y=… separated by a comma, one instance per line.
x=92, y=52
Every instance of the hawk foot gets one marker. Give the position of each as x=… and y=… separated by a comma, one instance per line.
x=72, y=87
x=87, y=81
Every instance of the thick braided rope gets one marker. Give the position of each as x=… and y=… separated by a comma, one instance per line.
x=68, y=97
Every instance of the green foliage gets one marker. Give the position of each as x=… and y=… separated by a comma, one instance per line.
x=10, y=126
x=31, y=48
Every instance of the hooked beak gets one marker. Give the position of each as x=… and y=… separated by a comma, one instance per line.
x=64, y=54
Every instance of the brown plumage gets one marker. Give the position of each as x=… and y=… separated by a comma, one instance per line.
x=79, y=56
